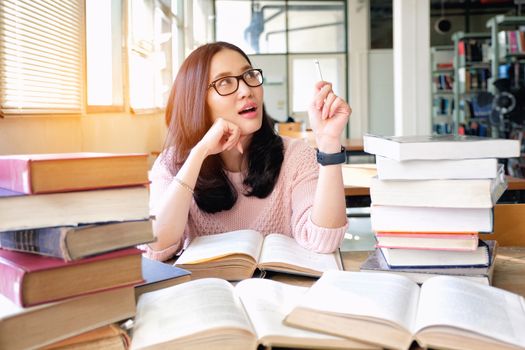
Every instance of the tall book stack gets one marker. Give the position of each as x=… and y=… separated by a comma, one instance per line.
x=431, y=198
x=68, y=227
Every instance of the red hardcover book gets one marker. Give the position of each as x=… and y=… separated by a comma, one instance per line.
x=63, y=172
x=29, y=279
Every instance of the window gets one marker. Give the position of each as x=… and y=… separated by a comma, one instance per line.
x=41, y=50
x=283, y=37
x=150, y=57
x=104, y=55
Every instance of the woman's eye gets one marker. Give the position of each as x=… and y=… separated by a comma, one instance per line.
x=225, y=82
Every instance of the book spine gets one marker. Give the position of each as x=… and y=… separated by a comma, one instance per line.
x=46, y=241
x=15, y=175
x=11, y=281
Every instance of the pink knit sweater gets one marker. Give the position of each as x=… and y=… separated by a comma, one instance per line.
x=286, y=210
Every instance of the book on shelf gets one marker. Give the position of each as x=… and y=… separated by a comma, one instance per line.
x=37, y=326
x=76, y=242
x=110, y=337
x=390, y=169
x=462, y=241
x=430, y=219
x=376, y=262
x=240, y=317
x=463, y=193
x=416, y=258
x=449, y=146
x=158, y=275
x=59, y=172
x=235, y=255
x=392, y=311
x=29, y=279
x=21, y=212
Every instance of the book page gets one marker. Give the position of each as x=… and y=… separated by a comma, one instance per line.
x=278, y=248
x=185, y=309
x=371, y=294
x=268, y=302
x=471, y=306
x=206, y=248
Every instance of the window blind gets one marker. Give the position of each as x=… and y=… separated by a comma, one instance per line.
x=41, y=56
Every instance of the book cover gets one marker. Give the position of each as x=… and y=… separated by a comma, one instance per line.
x=158, y=275
x=415, y=258
x=75, y=242
x=29, y=279
x=376, y=262
x=447, y=146
x=60, y=172
x=73, y=208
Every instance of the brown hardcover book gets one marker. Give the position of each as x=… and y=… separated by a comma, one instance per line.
x=37, y=326
x=29, y=279
x=211, y=313
x=235, y=255
x=392, y=311
x=75, y=242
x=60, y=172
x=109, y=337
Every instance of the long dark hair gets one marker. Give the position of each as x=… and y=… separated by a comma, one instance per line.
x=188, y=119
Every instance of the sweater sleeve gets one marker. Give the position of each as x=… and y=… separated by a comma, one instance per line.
x=304, y=183
x=160, y=177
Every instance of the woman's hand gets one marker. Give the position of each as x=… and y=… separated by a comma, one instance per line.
x=328, y=115
x=222, y=136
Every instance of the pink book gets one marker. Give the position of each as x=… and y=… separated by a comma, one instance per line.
x=63, y=172
x=29, y=279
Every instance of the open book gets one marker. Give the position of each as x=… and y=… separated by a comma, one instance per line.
x=210, y=313
x=392, y=311
x=236, y=255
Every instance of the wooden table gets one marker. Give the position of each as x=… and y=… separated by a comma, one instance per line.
x=509, y=269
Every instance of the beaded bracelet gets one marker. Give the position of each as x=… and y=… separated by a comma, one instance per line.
x=183, y=184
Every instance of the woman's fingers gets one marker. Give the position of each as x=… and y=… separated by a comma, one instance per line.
x=328, y=106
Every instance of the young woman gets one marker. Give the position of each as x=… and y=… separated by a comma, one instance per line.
x=224, y=168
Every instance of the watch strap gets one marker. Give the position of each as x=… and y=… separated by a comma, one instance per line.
x=331, y=158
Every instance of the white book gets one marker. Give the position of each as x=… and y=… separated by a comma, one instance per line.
x=376, y=263
x=440, y=147
x=235, y=255
x=210, y=313
x=428, y=219
x=390, y=169
x=436, y=258
x=22, y=212
x=392, y=311
x=463, y=193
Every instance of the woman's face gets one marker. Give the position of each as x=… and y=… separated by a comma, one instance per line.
x=244, y=107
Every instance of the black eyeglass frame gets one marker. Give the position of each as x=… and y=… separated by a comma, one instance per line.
x=237, y=77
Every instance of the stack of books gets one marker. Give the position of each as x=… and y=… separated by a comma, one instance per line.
x=431, y=198
x=68, y=227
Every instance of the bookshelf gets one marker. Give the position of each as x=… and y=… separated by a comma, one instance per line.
x=508, y=49
x=442, y=89
x=471, y=74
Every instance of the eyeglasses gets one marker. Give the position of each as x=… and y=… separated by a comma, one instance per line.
x=228, y=85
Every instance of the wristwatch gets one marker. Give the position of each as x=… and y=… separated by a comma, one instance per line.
x=331, y=158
